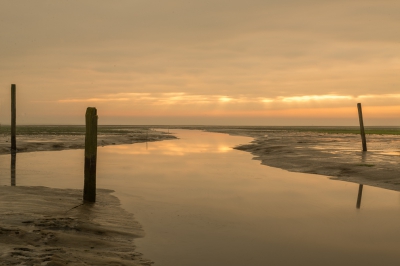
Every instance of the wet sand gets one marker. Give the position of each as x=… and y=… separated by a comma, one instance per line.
x=43, y=226
x=38, y=226
x=46, y=226
x=339, y=156
x=54, y=142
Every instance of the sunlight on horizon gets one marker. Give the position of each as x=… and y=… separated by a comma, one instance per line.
x=207, y=59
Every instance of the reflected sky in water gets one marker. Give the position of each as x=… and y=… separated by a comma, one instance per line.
x=203, y=203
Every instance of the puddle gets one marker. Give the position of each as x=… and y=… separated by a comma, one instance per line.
x=203, y=203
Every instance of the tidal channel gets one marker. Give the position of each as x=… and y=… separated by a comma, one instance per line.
x=201, y=202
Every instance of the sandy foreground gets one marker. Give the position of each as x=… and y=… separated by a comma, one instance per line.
x=339, y=156
x=44, y=226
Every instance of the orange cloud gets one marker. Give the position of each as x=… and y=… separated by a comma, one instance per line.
x=340, y=112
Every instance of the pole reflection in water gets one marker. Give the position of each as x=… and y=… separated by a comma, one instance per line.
x=363, y=156
x=13, y=161
x=360, y=189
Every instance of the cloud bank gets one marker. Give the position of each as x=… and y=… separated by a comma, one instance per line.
x=226, y=59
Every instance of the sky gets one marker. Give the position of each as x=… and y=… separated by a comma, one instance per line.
x=208, y=62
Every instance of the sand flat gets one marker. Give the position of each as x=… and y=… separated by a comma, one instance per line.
x=45, y=226
x=339, y=156
x=59, y=140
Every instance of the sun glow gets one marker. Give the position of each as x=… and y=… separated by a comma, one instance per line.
x=94, y=100
x=202, y=105
x=181, y=98
x=307, y=98
x=225, y=99
x=267, y=100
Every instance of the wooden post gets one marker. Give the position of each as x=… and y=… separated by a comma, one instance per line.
x=360, y=189
x=360, y=117
x=13, y=118
x=89, y=189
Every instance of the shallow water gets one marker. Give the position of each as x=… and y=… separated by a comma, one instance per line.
x=203, y=203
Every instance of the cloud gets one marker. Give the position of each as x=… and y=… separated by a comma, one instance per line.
x=183, y=99
x=307, y=98
x=222, y=55
x=94, y=100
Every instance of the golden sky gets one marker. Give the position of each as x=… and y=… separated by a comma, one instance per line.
x=253, y=62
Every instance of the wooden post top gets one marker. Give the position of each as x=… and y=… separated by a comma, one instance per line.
x=91, y=111
x=91, y=132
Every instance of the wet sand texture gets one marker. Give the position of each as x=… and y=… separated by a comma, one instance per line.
x=337, y=155
x=43, y=226
x=64, y=140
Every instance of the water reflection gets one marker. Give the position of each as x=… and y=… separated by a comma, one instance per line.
x=391, y=153
x=363, y=156
x=173, y=148
x=360, y=189
x=13, y=162
x=195, y=207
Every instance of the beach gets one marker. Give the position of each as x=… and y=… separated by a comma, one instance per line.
x=338, y=156
x=48, y=226
x=56, y=138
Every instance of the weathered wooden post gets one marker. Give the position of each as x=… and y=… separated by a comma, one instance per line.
x=360, y=117
x=89, y=189
x=13, y=117
x=360, y=189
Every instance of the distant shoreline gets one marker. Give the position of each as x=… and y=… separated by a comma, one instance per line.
x=330, y=151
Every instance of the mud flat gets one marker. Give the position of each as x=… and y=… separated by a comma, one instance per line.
x=44, y=226
x=339, y=156
x=49, y=138
x=47, y=226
